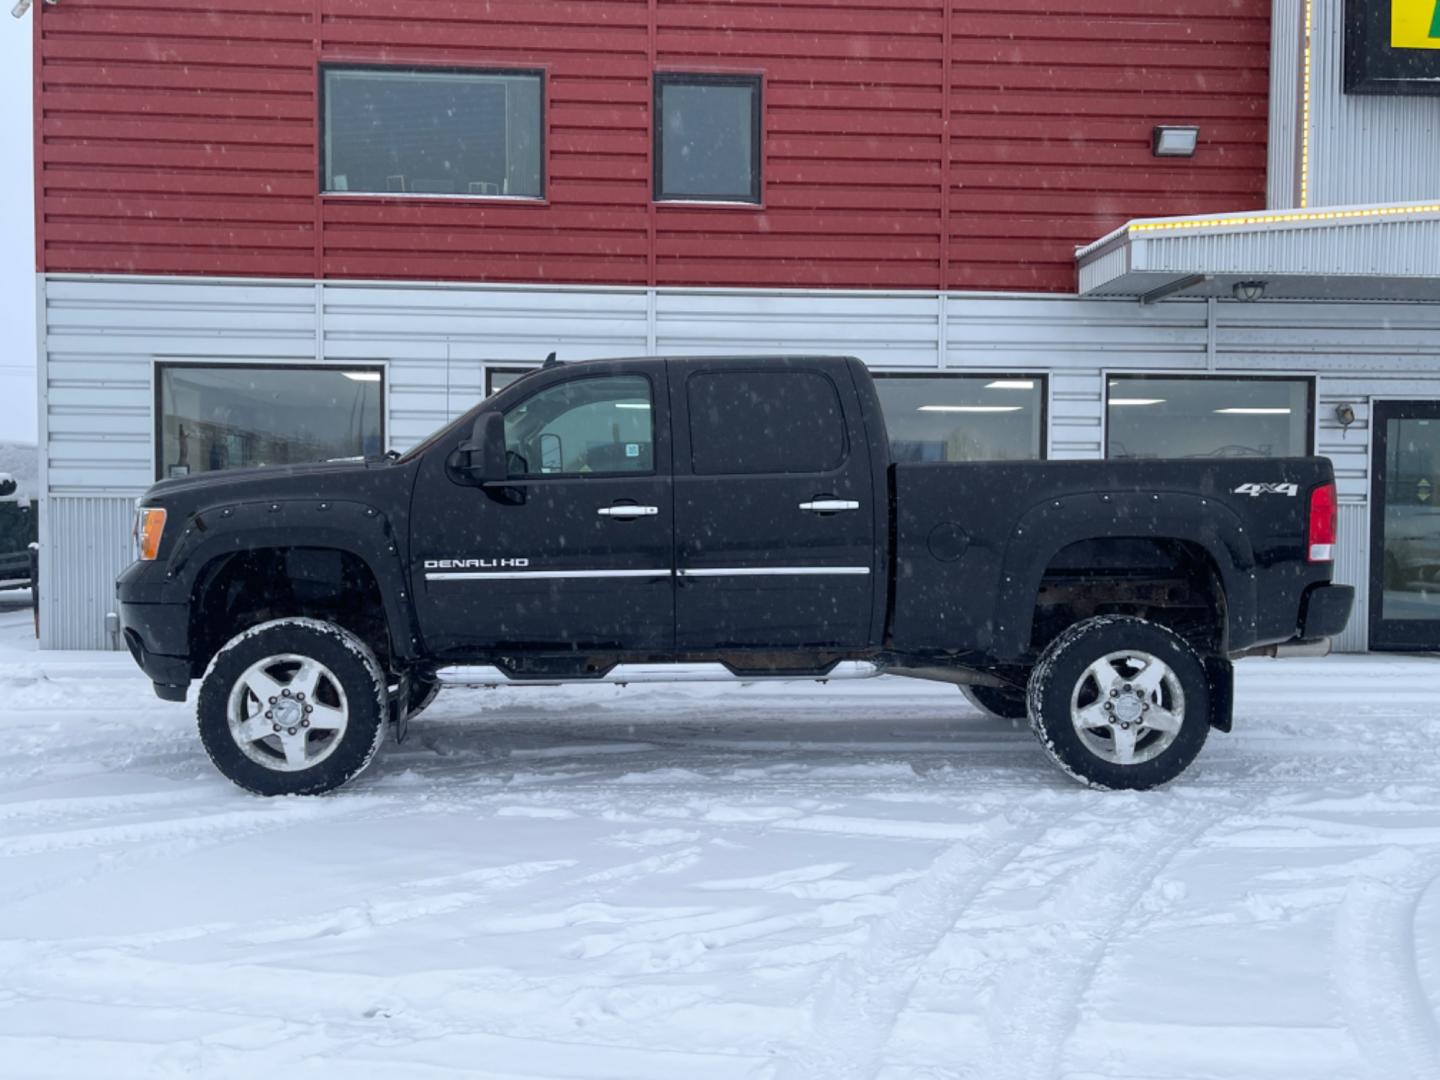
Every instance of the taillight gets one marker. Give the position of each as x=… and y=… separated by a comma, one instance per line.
x=1324, y=513
x=149, y=525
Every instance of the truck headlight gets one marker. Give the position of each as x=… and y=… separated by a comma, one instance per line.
x=149, y=526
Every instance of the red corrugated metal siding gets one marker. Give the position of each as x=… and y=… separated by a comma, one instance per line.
x=184, y=139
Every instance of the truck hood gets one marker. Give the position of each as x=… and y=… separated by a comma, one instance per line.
x=327, y=478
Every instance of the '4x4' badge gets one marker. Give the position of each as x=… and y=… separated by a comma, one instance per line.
x=1256, y=490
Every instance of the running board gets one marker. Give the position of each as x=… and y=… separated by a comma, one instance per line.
x=620, y=674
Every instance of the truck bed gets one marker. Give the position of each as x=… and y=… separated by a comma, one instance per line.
x=986, y=533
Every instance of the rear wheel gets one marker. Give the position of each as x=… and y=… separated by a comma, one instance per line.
x=999, y=701
x=1120, y=702
x=293, y=707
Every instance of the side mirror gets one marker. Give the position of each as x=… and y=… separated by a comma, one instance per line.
x=7, y=485
x=482, y=456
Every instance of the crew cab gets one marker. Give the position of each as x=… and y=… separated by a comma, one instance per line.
x=696, y=519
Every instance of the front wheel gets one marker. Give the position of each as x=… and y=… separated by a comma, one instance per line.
x=293, y=707
x=1120, y=702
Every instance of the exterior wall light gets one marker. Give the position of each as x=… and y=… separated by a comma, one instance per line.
x=1174, y=140
x=1249, y=291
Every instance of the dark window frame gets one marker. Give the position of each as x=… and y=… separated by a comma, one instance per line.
x=845, y=448
x=1215, y=377
x=655, y=465
x=753, y=81
x=162, y=364
x=1382, y=634
x=503, y=369
x=542, y=72
x=953, y=373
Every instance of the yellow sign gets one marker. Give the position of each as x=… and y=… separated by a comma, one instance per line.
x=1415, y=24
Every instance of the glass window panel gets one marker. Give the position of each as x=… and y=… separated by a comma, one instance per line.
x=1412, y=520
x=235, y=416
x=433, y=133
x=603, y=424
x=709, y=145
x=963, y=417
x=1155, y=416
x=497, y=379
x=765, y=422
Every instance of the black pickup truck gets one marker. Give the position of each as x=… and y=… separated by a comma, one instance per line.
x=700, y=519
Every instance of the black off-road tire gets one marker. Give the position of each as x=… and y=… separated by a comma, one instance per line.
x=997, y=701
x=1060, y=672
x=353, y=666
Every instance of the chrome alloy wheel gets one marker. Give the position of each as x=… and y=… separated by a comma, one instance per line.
x=287, y=713
x=1127, y=707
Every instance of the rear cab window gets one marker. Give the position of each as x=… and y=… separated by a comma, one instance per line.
x=764, y=422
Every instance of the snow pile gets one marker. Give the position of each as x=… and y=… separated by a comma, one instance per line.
x=782, y=883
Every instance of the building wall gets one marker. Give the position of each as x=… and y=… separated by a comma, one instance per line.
x=927, y=144
x=103, y=335
x=1330, y=148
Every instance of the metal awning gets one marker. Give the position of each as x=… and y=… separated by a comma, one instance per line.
x=1328, y=253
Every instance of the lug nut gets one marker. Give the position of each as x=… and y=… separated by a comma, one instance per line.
x=277, y=729
x=269, y=716
x=1114, y=693
x=301, y=697
x=310, y=708
x=286, y=693
x=304, y=723
x=273, y=700
x=1128, y=688
x=294, y=731
x=1109, y=707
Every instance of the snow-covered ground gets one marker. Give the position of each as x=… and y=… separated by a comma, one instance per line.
x=817, y=883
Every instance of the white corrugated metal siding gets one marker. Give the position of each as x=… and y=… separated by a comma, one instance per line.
x=105, y=334
x=87, y=544
x=1364, y=148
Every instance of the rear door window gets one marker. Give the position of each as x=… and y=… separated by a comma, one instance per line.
x=764, y=422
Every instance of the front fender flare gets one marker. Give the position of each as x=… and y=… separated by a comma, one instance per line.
x=340, y=525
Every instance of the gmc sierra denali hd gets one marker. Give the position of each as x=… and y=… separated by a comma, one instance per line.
x=696, y=519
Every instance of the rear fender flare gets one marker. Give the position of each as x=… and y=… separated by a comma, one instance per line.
x=1045, y=530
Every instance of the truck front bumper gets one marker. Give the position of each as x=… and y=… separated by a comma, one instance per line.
x=1326, y=611
x=157, y=634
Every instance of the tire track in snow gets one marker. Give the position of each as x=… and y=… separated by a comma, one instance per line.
x=1376, y=974
x=1036, y=1004
x=858, y=1005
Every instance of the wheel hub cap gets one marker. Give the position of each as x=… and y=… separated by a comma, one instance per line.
x=1128, y=709
x=288, y=713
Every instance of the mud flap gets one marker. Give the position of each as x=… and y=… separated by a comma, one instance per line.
x=400, y=711
x=1221, y=675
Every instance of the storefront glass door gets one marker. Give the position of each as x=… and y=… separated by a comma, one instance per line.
x=1405, y=527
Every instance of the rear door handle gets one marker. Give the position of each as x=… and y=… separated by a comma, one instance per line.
x=829, y=506
x=628, y=513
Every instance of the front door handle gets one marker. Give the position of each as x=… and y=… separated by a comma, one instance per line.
x=628, y=513
x=829, y=506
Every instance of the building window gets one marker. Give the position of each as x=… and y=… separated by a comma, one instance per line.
x=498, y=378
x=416, y=132
x=1153, y=416
x=963, y=417
x=707, y=138
x=586, y=426
x=234, y=416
